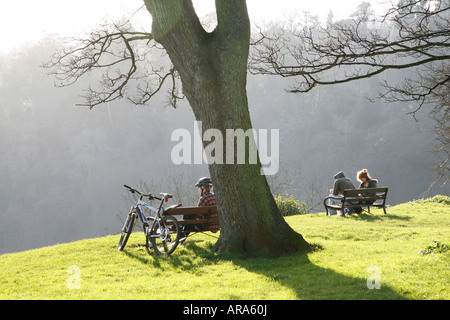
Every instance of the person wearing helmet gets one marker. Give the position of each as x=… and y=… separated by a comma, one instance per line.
x=207, y=199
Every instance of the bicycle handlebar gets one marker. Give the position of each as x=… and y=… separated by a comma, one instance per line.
x=150, y=196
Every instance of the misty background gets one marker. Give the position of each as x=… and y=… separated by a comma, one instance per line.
x=62, y=167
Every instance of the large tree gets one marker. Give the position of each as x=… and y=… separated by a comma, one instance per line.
x=212, y=67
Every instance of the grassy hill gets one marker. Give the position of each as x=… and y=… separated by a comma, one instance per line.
x=354, y=253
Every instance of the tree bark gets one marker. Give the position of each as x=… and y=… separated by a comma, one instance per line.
x=213, y=70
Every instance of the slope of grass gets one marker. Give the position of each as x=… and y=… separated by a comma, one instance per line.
x=353, y=254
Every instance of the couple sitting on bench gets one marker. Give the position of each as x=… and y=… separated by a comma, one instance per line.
x=341, y=183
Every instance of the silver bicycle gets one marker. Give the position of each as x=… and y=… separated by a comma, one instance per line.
x=162, y=232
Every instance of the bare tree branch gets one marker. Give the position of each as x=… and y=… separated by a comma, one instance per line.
x=349, y=50
x=119, y=56
x=413, y=35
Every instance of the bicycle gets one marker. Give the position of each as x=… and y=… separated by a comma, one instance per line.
x=162, y=233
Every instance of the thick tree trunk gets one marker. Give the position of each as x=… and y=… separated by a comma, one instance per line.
x=213, y=70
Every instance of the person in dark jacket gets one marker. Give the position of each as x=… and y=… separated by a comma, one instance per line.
x=341, y=182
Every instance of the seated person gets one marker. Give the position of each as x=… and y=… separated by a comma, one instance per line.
x=206, y=199
x=341, y=182
x=363, y=176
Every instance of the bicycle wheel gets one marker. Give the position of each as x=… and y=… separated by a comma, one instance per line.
x=164, y=236
x=127, y=229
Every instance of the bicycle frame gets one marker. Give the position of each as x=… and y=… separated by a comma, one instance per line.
x=140, y=212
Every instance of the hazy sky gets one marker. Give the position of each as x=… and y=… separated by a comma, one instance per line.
x=27, y=20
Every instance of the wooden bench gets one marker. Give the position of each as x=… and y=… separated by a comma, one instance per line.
x=194, y=215
x=367, y=197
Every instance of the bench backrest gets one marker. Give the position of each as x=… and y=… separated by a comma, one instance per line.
x=181, y=211
x=366, y=191
x=369, y=194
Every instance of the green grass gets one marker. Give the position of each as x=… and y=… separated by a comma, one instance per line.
x=339, y=269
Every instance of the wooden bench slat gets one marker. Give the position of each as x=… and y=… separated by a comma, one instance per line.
x=205, y=212
x=355, y=192
x=181, y=211
x=198, y=221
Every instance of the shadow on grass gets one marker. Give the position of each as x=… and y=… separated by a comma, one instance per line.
x=371, y=217
x=297, y=272
x=151, y=258
x=312, y=282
